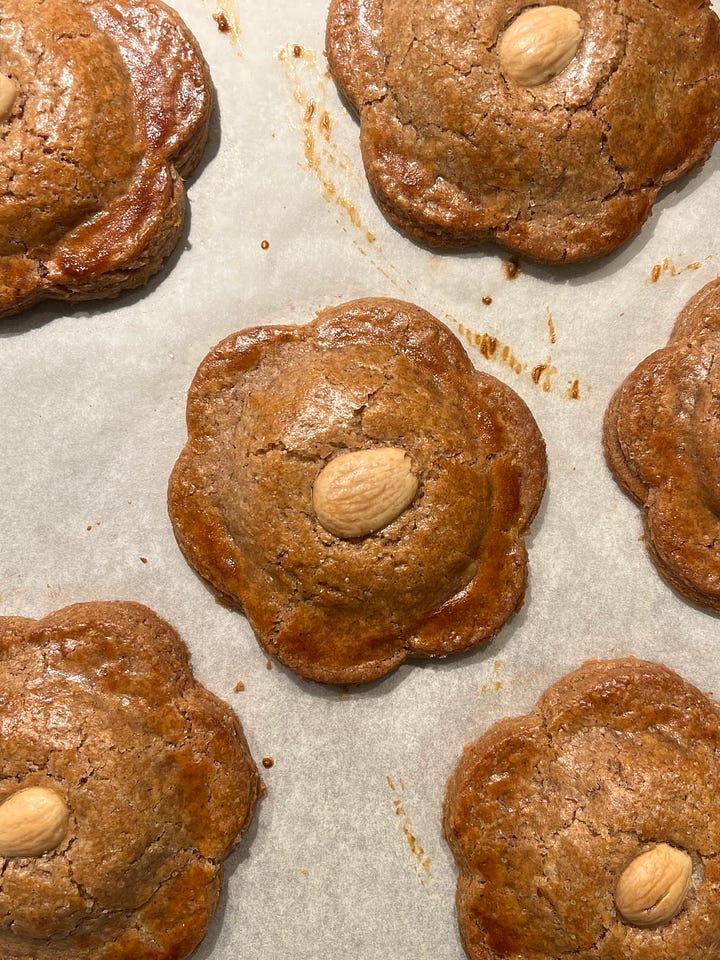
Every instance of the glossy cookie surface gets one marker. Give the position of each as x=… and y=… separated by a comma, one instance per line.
x=549, y=129
x=105, y=105
x=141, y=784
x=589, y=828
x=371, y=414
x=662, y=443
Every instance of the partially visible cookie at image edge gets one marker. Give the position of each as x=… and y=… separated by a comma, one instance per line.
x=104, y=107
x=662, y=444
x=125, y=785
x=547, y=128
x=358, y=489
x=589, y=828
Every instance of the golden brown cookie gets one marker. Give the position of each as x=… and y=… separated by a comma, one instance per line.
x=548, y=816
x=662, y=443
x=104, y=107
x=358, y=489
x=125, y=784
x=549, y=129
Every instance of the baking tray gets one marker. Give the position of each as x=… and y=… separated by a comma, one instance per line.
x=346, y=855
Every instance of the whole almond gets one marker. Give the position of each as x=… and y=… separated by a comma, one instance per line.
x=362, y=491
x=539, y=43
x=653, y=887
x=33, y=821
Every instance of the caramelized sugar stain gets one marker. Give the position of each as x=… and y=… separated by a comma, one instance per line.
x=538, y=372
x=226, y=17
x=336, y=172
x=668, y=267
x=551, y=328
x=542, y=374
x=573, y=391
x=416, y=848
x=331, y=165
x=531, y=679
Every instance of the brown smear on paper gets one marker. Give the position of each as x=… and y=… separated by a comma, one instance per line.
x=334, y=169
x=11, y=592
x=497, y=684
x=329, y=164
x=551, y=328
x=573, y=391
x=416, y=849
x=668, y=267
x=542, y=374
x=226, y=17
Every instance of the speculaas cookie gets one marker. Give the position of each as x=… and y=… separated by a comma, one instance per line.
x=549, y=129
x=589, y=828
x=662, y=443
x=358, y=489
x=104, y=107
x=125, y=784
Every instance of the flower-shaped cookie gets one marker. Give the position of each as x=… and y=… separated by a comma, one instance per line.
x=358, y=489
x=104, y=106
x=124, y=785
x=590, y=828
x=547, y=128
x=662, y=443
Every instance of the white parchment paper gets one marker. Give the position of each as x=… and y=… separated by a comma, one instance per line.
x=346, y=856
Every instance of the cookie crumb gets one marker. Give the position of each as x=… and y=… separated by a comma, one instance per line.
x=268, y=664
x=239, y=687
x=222, y=21
x=143, y=559
x=511, y=268
x=265, y=245
x=297, y=50
x=487, y=301
x=268, y=762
